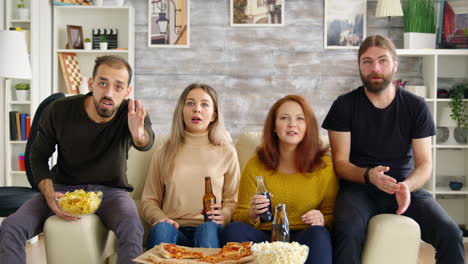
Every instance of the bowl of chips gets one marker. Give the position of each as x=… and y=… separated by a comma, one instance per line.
x=79, y=202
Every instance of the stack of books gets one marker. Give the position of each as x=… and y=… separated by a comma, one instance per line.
x=20, y=125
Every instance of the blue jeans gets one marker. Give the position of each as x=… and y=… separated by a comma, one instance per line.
x=207, y=235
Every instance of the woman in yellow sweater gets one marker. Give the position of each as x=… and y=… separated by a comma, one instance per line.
x=297, y=173
x=198, y=146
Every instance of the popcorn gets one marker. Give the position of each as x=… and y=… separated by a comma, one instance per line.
x=280, y=253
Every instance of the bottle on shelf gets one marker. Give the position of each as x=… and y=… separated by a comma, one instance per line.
x=209, y=199
x=267, y=216
x=280, y=226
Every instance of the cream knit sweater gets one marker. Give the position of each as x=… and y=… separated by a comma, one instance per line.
x=180, y=197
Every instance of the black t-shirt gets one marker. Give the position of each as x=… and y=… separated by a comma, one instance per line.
x=88, y=152
x=381, y=136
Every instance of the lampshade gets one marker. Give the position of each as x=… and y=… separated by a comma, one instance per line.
x=444, y=119
x=386, y=8
x=14, y=59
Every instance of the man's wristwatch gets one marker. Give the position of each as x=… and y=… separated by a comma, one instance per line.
x=366, y=175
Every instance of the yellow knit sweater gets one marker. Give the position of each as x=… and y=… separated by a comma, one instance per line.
x=299, y=192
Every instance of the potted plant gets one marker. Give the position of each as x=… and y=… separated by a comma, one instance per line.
x=103, y=42
x=87, y=44
x=457, y=106
x=22, y=91
x=419, y=24
x=22, y=12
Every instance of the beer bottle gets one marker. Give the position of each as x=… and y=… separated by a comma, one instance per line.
x=267, y=216
x=280, y=226
x=208, y=199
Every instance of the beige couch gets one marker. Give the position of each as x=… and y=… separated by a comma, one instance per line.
x=390, y=239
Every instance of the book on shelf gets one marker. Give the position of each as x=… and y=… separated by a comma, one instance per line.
x=13, y=133
x=28, y=126
x=18, y=125
x=23, y=125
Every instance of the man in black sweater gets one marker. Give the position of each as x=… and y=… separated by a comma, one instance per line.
x=93, y=134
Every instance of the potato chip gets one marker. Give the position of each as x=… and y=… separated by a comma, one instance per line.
x=79, y=202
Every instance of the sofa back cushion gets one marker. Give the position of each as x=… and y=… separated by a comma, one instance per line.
x=248, y=142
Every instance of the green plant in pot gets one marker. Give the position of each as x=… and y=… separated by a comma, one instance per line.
x=87, y=44
x=457, y=106
x=419, y=24
x=22, y=91
x=103, y=42
x=22, y=13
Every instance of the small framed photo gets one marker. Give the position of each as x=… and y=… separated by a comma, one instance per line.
x=75, y=37
x=257, y=13
x=168, y=23
x=344, y=25
x=73, y=2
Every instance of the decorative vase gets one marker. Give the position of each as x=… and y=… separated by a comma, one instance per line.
x=461, y=135
x=119, y=2
x=22, y=95
x=414, y=40
x=442, y=135
x=87, y=45
x=22, y=13
x=103, y=45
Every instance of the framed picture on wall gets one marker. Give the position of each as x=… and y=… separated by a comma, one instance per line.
x=73, y=2
x=75, y=37
x=257, y=13
x=453, y=25
x=344, y=24
x=169, y=23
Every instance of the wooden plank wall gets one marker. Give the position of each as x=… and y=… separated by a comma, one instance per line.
x=252, y=67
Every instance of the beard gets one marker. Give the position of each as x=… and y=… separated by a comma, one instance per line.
x=376, y=86
x=104, y=112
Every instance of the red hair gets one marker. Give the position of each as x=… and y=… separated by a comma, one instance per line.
x=308, y=152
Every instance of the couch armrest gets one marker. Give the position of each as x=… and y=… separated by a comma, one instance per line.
x=391, y=239
x=82, y=241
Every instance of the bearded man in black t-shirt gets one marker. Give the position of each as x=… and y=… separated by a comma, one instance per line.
x=380, y=136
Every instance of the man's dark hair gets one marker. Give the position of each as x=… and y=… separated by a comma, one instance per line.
x=112, y=61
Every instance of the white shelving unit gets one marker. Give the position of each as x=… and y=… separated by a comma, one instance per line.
x=91, y=17
x=442, y=69
x=38, y=42
x=13, y=176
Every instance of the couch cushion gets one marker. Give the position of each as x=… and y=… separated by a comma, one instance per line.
x=248, y=142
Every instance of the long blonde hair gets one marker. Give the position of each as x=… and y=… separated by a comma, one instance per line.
x=217, y=133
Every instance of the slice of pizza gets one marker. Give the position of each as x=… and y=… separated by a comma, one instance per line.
x=179, y=252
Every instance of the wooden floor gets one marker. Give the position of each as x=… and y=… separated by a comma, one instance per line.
x=35, y=253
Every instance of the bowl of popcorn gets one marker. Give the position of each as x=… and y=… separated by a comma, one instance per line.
x=79, y=202
x=280, y=253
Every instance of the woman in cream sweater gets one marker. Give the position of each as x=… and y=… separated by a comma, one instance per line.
x=297, y=173
x=198, y=146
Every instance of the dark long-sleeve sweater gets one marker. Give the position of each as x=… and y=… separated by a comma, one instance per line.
x=88, y=152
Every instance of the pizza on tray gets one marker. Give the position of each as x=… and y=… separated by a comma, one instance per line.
x=232, y=253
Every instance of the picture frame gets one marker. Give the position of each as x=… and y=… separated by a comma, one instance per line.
x=344, y=25
x=73, y=2
x=453, y=25
x=75, y=37
x=168, y=23
x=257, y=13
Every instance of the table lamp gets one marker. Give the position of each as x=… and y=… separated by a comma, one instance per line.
x=14, y=62
x=446, y=121
x=388, y=8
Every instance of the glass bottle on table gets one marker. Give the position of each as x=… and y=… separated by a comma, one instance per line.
x=267, y=216
x=209, y=199
x=280, y=226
